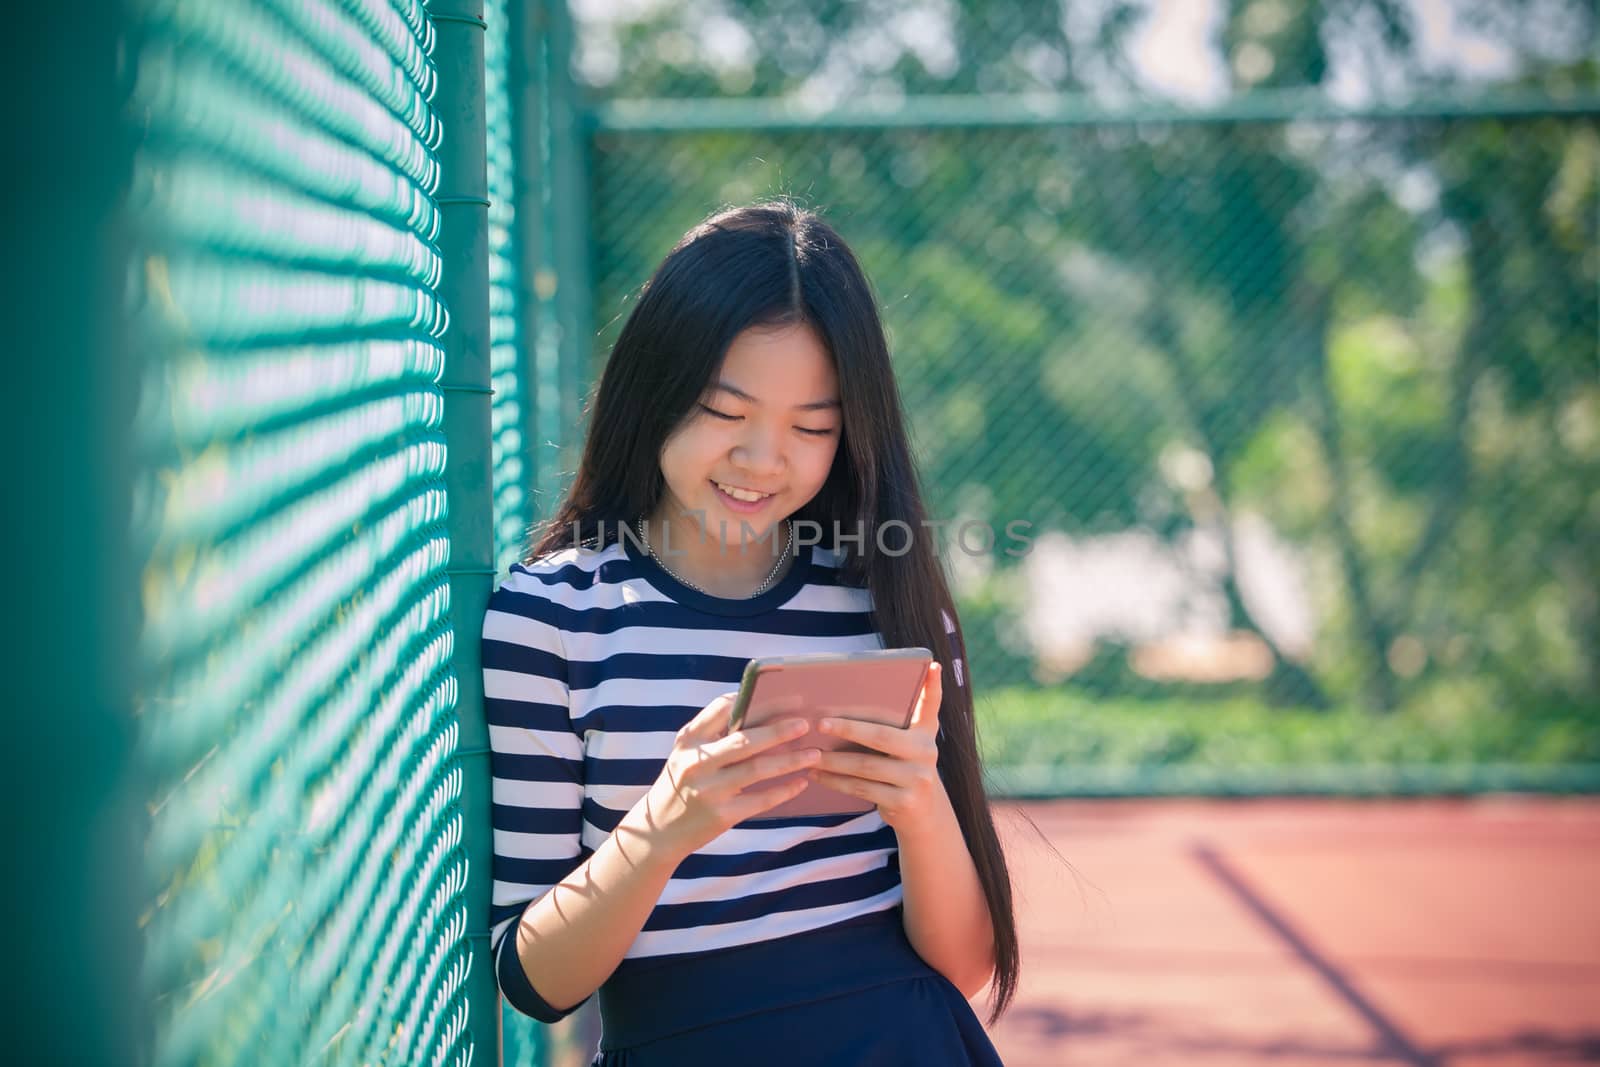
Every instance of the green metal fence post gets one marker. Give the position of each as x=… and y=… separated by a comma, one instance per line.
x=569, y=192
x=464, y=246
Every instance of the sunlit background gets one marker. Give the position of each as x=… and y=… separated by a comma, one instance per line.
x=1276, y=324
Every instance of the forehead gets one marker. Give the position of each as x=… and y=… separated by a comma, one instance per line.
x=780, y=366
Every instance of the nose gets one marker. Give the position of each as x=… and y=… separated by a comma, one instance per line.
x=759, y=453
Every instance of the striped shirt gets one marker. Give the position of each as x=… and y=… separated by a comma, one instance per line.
x=592, y=661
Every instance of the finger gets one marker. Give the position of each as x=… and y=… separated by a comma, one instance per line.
x=890, y=740
x=711, y=721
x=925, y=716
x=745, y=773
x=742, y=744
x=753, y=802
x=886, y=769
x=877, y=792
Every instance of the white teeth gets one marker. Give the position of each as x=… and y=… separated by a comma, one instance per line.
x=741, y=494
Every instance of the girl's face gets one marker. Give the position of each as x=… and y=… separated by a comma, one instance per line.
x=770, y=422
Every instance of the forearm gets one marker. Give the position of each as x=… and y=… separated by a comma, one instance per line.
x=945, y=912
x=572, y=938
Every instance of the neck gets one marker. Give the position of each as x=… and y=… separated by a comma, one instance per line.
x=726, y=568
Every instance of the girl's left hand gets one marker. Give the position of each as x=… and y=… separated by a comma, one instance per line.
x=902, y=775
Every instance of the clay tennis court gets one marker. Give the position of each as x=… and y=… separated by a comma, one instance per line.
x=1441, y=932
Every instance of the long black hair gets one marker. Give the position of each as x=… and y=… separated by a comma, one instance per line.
x=775, y=264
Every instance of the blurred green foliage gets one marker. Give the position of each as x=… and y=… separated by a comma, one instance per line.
x=1019, y=726
x=1380, y=335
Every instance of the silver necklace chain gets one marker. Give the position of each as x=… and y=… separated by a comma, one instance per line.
x=788, y=541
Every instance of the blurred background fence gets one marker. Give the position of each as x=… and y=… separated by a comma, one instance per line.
x=1257, y=340
x=1264, y=337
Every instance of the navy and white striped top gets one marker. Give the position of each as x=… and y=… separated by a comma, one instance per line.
x=592, y=661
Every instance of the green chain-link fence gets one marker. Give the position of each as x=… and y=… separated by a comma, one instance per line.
x=348, y=227
x=321, y=471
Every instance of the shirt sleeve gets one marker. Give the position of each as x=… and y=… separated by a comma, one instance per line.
x=536, y=765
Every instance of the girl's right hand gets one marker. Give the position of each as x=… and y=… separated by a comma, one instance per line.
x=705, y=786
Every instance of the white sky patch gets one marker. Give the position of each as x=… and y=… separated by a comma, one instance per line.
x=1444, y=44
x=726, y=44
x=1175, y=52
x=928, y=35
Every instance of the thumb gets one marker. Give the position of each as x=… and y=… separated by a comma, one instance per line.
x=711, y=721
x=925, y=713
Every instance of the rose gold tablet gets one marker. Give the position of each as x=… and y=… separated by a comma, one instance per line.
x=878, y=686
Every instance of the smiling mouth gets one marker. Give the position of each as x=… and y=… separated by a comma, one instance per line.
x=744, y=496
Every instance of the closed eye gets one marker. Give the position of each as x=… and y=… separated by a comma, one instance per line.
x=736, y=418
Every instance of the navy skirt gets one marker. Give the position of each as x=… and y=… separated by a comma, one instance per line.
x=851, y=995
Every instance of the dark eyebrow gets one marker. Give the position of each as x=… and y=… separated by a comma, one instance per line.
x=815, y=405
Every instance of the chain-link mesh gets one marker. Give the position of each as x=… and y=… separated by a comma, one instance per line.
x=1160, y=328
x=297, y=710
x=1300, y=405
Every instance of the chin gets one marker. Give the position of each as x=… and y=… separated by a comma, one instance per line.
x=760, y=524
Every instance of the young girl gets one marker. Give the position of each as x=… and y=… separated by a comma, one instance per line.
x=748, y=404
